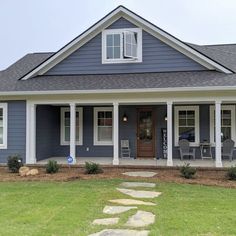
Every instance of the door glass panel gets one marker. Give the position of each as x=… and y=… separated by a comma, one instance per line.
x=145, y=126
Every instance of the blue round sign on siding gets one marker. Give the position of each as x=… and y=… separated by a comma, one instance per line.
x=70, y=160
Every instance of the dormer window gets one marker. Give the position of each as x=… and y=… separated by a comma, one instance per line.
x=122, y=45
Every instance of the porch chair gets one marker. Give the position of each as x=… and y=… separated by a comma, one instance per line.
x=125, y=148
x=228, y=149
x=185, y=150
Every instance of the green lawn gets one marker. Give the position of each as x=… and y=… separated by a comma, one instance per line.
x=36, y=208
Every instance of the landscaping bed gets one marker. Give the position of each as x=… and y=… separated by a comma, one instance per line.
x=214, y=177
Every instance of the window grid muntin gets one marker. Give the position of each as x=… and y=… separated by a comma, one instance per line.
x=114, y=45
x=186, y=121
x=104, y=123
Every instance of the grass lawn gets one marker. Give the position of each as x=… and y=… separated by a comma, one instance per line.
x=39, y=208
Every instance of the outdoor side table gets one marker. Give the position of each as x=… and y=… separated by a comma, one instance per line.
x=205, y=149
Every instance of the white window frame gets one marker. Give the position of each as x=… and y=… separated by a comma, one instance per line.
x=122, y=59
x=67, y=109
x=95, y=126
x=197, y=129
x=212, y=122
x=3, y=106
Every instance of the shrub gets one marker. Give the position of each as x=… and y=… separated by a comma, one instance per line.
x=14, y=163
x=187, y=171
x=92, y=168
x=52, y=167
x=231, y=173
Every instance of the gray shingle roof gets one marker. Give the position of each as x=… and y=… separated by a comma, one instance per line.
x=128, y=81
x=9, y=78
x=224, y=54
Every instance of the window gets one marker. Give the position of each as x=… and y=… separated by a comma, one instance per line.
x=103, y=125
x=227, y=123
x=3, y=125
x=65, y=126
x=122, y=45
x=187, y=124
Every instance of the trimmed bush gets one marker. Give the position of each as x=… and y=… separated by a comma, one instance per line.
x=187, y=171
x=52, y=167
x=92, y=168
x=14, y=163
x=231, y=173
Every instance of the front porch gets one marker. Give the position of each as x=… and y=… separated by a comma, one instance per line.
x=107, y=161
x=52, y=134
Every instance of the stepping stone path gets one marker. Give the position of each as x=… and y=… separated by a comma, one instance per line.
x=137, y=184
x=140, y=174
x=121, y=232
x=106, y=221
x=131, y=202
x=117, y=209
x=141, y=218
x=139, y=193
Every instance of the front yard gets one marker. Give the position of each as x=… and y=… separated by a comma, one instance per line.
x=68, y=208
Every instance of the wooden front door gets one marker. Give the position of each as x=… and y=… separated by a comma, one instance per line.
x=145, y=133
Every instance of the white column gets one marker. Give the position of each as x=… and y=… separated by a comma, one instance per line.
x=73, y=131
x=115, y=133
x=218, y=160
x=169, y=134
x=30, y=133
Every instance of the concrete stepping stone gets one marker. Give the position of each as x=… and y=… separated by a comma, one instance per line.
x=121, y=232
x=106, y=221
x=137, y=184
x=140, y=174
x=129, y=202
x=141, y=219
x=139, y=193
x=117, y=209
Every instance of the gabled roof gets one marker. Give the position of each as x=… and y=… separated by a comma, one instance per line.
x=114, y=15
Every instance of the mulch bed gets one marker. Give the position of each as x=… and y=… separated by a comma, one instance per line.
x=214, y=177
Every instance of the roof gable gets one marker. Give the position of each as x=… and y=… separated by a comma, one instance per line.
x=140, y=22
x=156, y=57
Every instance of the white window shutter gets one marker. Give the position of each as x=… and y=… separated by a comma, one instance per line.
x=130, y=44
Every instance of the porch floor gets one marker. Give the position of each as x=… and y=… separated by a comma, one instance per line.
x=140, y=162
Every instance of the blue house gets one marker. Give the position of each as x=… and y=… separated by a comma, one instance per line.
x=122, y=79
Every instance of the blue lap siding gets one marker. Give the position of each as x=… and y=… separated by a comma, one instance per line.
x=157, y=57
x=16, y=137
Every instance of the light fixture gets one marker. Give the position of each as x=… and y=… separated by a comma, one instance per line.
x=125, y=118
x=166, y=117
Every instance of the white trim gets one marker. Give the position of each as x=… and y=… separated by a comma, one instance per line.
x=122, y=60
x=73, y=131
x=3, y=106
x=169, y=134
x=62, y=128
x=95, y=127
x=212, y=122
x=115, y=130
x=109, y=19
x=30, y=133
x=197, y=130
x=218, y=157
x=107, y=91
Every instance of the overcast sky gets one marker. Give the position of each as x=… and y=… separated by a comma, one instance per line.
x=46, y=25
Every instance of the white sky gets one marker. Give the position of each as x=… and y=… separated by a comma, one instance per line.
x=47, y=25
